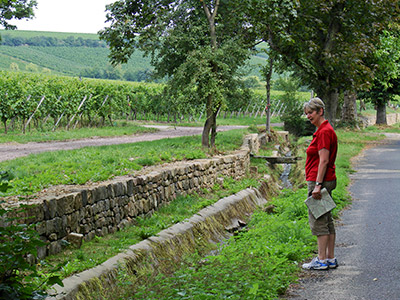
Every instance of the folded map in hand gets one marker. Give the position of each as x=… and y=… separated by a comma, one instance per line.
x=320, y=207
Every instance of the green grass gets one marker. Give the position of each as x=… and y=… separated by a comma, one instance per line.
x=258, y=263
x=120, y=129
x=395, y=128
x=91, y=164
x=262, y=261
x=98, y=250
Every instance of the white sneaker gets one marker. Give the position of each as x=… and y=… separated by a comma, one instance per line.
x=315, y=264
x=332, y=263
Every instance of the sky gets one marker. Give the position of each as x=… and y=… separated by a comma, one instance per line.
x=83, y=16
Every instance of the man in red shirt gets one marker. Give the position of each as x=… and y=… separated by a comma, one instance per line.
x=320, y=173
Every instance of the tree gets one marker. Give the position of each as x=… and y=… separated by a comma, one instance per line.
x=267, y=18
x=15, y=9
x=325, y=44
x=349, y=109
x=386, y=84
x=14, y=66
x=198, y=45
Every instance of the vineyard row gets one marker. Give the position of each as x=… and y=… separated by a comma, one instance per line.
x=53, y=101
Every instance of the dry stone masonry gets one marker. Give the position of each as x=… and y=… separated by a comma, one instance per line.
x=104, y=208
x=86, y=211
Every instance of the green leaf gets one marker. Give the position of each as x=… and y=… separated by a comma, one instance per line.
x=55, y=280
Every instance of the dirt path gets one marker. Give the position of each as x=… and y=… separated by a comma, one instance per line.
x=10, y=151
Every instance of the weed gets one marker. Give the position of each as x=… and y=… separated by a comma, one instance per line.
x=19, y=277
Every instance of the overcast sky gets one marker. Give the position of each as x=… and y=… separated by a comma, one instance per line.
x=84, y=16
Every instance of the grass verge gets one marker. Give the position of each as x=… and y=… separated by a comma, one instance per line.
x=92, y=164
x=120, y=129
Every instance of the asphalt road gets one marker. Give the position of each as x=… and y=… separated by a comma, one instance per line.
x=368, y=234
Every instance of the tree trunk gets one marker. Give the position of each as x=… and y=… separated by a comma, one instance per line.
x=268, y=75
x=211, y=15
x=210, y=124
x=381, y=113
x=330, y=99
x=5, y=126
x=205, y=137
x=214, y=128
x=349, y=110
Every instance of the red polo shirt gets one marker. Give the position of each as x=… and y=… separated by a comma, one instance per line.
x=324, y=137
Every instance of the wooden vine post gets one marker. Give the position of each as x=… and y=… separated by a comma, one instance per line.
x=80, y=115
x=30, y=118
x=79, y=107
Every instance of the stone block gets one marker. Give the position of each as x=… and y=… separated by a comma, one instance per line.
x=120, y=189
x=90, y=236
x=112, y=229
x=156, y=176
x=42, y=252
x=87, y=212
x=75, y=239
x=129, y=187
x=49, y=209
x=110, y=191
x=141, y=180
x=99, y=193
x=85, y=228
x=53, y=226
x=54, y=247
x=41, y=228
x=77, y=202
x=106, y=205
x=84, y=197
x=73, y=221
x=53, y=237
x=100, y=222
x=64, y=205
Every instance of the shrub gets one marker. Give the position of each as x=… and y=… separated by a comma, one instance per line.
x=293, y=116
x=19, y=278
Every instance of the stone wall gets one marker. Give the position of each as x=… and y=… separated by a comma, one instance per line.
x=162, y=252
x=87, y=211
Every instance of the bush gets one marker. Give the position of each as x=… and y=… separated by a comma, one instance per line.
x=19, y=279
x=293, y=116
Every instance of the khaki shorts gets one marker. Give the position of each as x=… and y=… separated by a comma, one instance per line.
x=324, y=224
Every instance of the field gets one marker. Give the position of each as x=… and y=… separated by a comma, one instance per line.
x=86, y=57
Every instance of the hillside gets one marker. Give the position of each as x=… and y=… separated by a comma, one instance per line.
x=71, y=54
x=74, y=54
